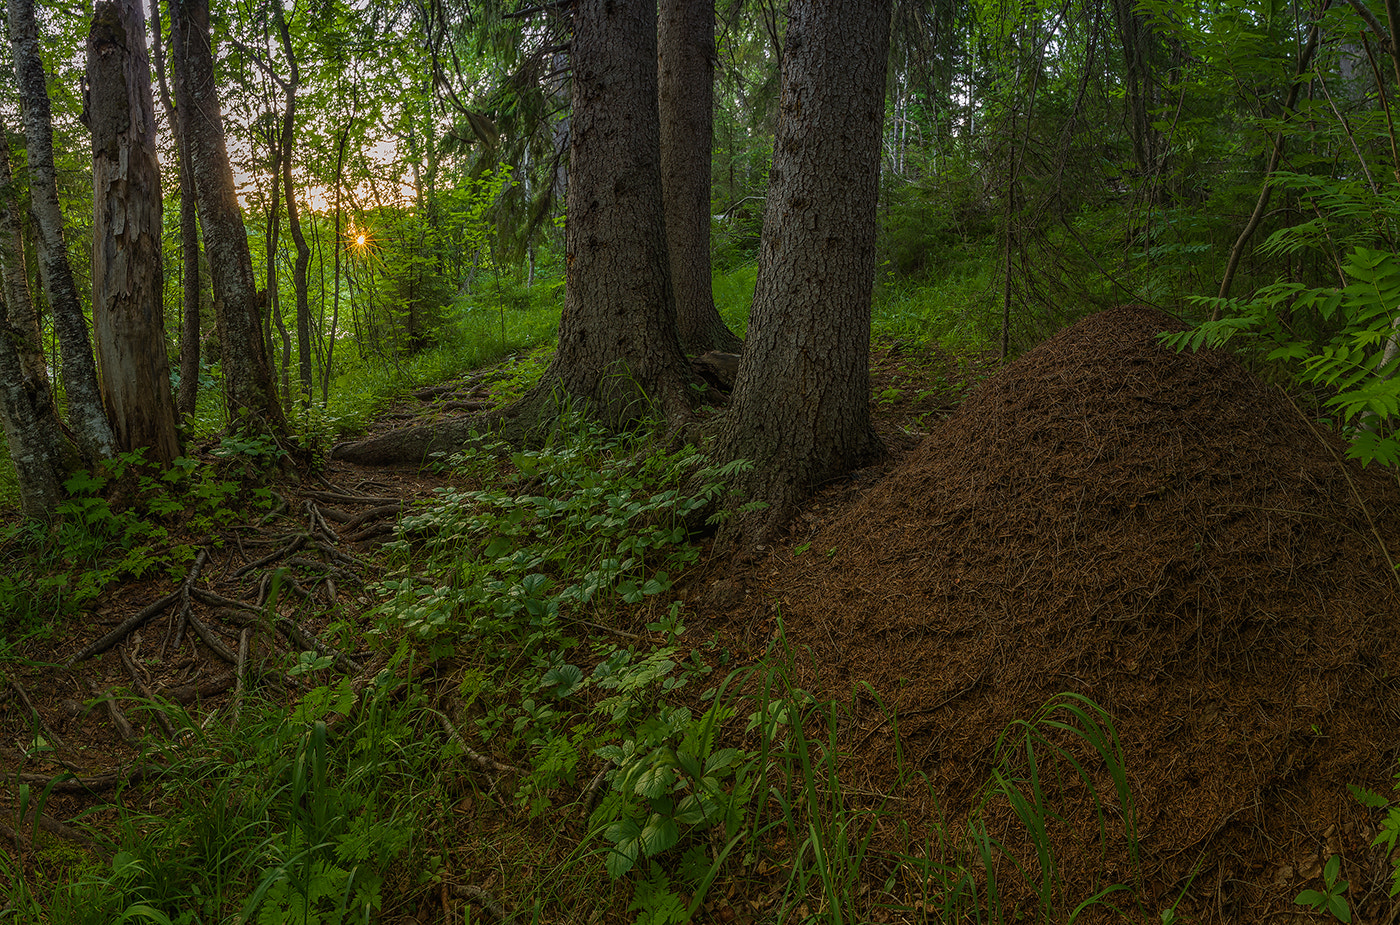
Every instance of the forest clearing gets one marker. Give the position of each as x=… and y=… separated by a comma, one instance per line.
x=721, y=461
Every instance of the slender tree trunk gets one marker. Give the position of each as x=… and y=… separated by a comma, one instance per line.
x=1266, y=188
x=291, y=87
x=800, y=411
x=37, y=445
x=338, y=250
x=187, y=397
x=249, y=387
x=127, y=278
x=686, y=35
x=79, y=370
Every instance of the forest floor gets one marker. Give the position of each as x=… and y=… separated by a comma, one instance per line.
x=1157, y=532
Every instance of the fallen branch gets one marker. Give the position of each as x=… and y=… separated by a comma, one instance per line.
x=375, y=513
x=308, y=641
x=211, y=639
x=126, y=627
x=146, y=692
x=347, y=498
x=66, y=782
x=240, y=671
x=183, y=616
x=482, y=761
x=268, y=559
x=209, y=597
x=38, y=717
x=475, y=894
x=115, y=714
x=48, y=824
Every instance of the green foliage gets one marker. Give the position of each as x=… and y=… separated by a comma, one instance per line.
x=669, y=779
x=1037, y=765
x=283, y=821
x=99, y=539
x=1332, y=338
x=1332, y=898
x=1388, y=835
x=579, y=524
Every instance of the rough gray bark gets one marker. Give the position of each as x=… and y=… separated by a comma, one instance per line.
x=619, y=358
x=36, y=442
x=28, y=428
x=78, y=369
x=128, y=316
x=249, y=388
x=187, y=397
x=686, y=36
x=23, y=314
x=800, y=411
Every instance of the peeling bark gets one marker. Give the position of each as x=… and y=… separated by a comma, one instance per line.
x=127, y=276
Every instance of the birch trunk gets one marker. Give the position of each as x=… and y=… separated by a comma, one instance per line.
x=78, y=370
x=37, y=446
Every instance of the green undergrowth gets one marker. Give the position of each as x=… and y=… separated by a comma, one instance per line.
x=303, y=817
x=126, y=520
x=569, y=742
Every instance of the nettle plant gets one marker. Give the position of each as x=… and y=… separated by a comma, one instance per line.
x=579, y=524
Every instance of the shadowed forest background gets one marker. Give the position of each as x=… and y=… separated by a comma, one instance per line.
x=731, y=460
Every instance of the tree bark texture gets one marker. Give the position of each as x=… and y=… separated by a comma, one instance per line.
x=686, y=36
x=800, y=411
x=30, y=431
x=78, y=370
x=187, y=396
x=128, y=317
x=36, y=442
x=618, y=358
x=250, y=390
x=292, y=85
x=23, y=313
x=618, y=350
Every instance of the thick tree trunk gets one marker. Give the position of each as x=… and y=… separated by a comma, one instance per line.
x=686, y=35
x=618, y=351
x=249, y=388
x=79, y=371
x=127, y=279
x=37, y=445
x=619, y=359
x=187, y=396
x=800, y=411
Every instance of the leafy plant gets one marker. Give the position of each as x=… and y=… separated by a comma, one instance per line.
x=669, y=779
x=1332, y=898
x=1388, y=835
